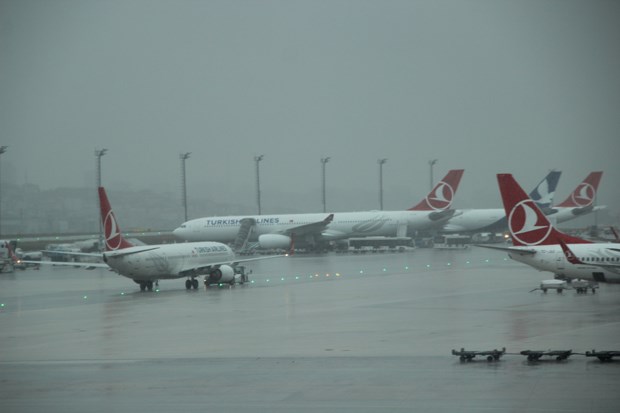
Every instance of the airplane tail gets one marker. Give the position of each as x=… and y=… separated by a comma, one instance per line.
x=441, y=196
x=112, y=232
x=528, y=225
x=585, y=192
x=12, y=255
x=545, y=191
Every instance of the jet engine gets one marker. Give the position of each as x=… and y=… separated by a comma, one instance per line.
x=274, y=241
x=225, y=274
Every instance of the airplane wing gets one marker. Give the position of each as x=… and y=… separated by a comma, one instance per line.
x=521, y=251
x=130, y=251
x=203, y=269
x=312, y=228
x=86, y=265
x=83, y=254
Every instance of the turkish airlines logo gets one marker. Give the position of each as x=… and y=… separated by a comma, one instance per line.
x=584, y=195
x=569, y=255
x=526, y=225
x=441, y=197
x=113, y=238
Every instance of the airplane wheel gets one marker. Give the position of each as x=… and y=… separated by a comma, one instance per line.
x=195, y=284
x=149, y=285
x=188, y=284
x=142, y=286
x=490, y=358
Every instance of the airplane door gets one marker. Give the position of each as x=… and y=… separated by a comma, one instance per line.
x=401, y=228
x=560, y=263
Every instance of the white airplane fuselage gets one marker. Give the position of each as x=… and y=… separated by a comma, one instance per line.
x=494, y=219
x=344, y=225
x=551, y=258
x=167, y=261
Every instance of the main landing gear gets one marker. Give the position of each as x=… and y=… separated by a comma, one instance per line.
x=189, y=284
x=145, y=285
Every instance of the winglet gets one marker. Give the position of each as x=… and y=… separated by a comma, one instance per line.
x=441, y=196
x=112, y=232
x=570, y=257
x=328, y=219
x=527, y=224
x=585, y=193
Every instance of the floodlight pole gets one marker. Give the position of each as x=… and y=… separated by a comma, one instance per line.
x=2, y=150
x=99, y=153
x=381, y=162
x=257, y=159
x=184, y=157
x=430, y=164
x=323, y=162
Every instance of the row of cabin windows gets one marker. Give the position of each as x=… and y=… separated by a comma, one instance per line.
x=599, y=259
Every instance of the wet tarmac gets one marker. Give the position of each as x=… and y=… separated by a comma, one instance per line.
x=361, y=333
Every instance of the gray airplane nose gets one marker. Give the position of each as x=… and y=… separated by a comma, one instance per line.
x=179, y=233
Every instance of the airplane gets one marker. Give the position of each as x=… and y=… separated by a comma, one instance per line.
x=537, y=243
x=276, y=231
x=8, y=259
x=147, y=264
x=580, y=202
x=471, y=221
x=577, y=204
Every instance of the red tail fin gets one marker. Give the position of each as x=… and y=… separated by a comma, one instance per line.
x=440, y=198
x=12, y=255
x=585, y=192
x=526, y=222
x=112, y=232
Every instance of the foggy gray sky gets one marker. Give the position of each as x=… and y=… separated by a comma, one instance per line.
x=488, y=86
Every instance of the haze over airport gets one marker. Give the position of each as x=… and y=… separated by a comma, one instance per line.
x=511, y=86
